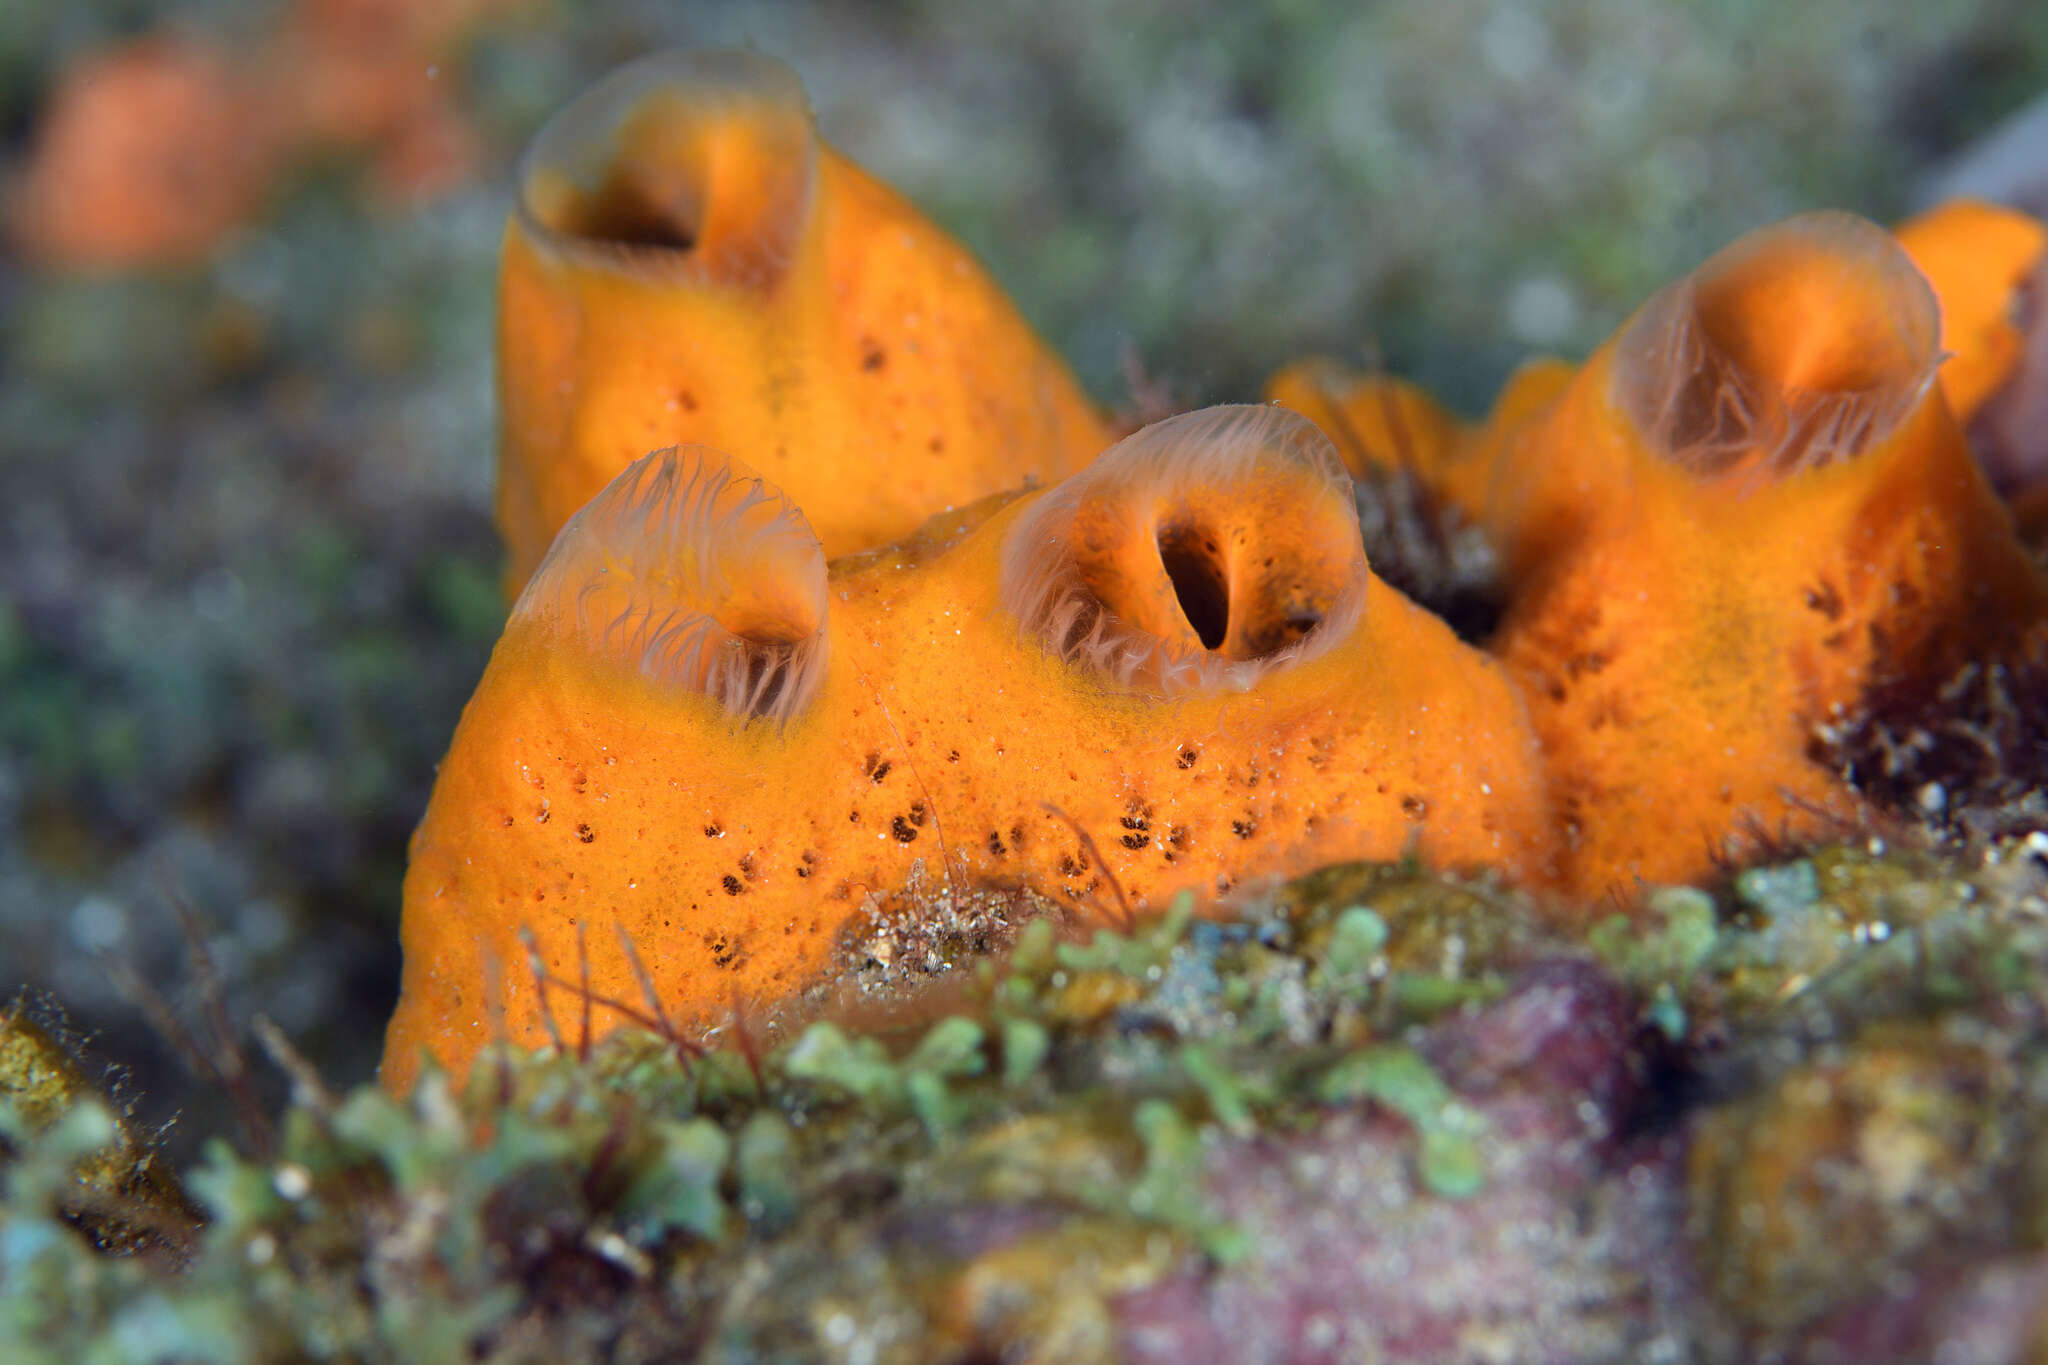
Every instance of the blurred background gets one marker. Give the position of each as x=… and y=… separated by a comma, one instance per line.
x=247, y=576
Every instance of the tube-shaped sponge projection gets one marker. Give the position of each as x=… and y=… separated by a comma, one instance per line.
x=1989, y=265
x=1181, y=650
x=1793, y=348
x=1744, y=513
x=1977, y=257
x=688, y=262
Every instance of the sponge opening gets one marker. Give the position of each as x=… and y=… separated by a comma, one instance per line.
x=697, y=574
x=1202, y=552
x=699, y=165
x=1799, y=345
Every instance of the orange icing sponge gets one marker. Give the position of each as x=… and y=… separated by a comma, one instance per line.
x=692, y=734
x=1750, y=506
x=689, y=262
x=150, y=153
x=1382, y=423
x=1976, y=256
x=1375, y=420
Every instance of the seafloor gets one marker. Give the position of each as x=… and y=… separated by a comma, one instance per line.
x=247, y=579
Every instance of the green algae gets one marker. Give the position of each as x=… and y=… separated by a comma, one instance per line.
x=1449, y=1160
x=1168, y=1188
x=1661, y=950
x=1356, y=941
x=1025, y=1045
x=679, y=1188
x=765, y=1159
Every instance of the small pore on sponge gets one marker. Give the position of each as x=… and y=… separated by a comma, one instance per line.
x=695, y=165
x=1798, y=345
x=1198, y=553
x=698, y=574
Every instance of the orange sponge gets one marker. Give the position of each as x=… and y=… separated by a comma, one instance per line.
x=1750, y=506
x=689, y=262
x=1976, y=256
x=693, y=731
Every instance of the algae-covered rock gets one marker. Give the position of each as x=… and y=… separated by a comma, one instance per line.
x=1255, y=1136
x=1356, y=1250
x=1093, y=1130
x=1875, y=1154
x=1828, y=1184
x=95, y=1169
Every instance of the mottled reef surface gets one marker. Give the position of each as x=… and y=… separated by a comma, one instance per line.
x=1381, y=1116
x=247, y=580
